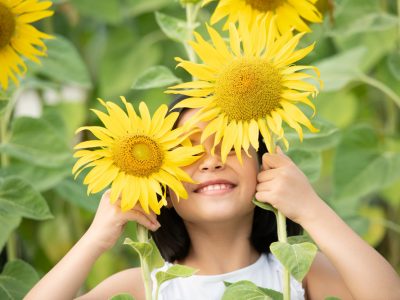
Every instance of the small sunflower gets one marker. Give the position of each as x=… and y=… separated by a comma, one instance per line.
x=139, y=155
x=19, y=38
x=289, y=13
x=250, y=88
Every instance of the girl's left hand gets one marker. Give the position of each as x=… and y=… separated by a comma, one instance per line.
x=283, y=185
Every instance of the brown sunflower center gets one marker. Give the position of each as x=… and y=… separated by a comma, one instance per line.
x=264, y=5
x=138, y=155
x=250, y=88
x=7, y=25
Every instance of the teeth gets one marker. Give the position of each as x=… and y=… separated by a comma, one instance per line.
x=215, y=187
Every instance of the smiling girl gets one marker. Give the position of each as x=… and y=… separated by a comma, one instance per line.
x=218, y=231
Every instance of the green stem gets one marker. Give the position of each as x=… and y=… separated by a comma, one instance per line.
x=4, y=125
x=282, y=237
x=191, y=15
x=398, y=16
x=380, y=86
x=143, y=237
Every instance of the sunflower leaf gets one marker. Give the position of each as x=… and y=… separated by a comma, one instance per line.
x=297, y=258
x=7, y=225
x=174, y=271
x=174, y=28
x=19, y=198
x=143, y=249
x=245, y=289
x=154, y=77
x=122, y=297
x=16, y=280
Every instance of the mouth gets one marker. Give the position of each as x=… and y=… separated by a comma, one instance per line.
x=215, y=187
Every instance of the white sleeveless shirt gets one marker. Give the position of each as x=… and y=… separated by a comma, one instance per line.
x=266, y=272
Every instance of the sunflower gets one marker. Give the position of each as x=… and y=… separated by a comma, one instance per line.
x=289, y=13
x=19, y=38
x=248, y=88
x=139, y=155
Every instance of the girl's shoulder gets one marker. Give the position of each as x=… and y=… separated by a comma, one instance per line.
x=128, y=281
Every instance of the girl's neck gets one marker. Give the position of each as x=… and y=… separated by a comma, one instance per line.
x=220, y=248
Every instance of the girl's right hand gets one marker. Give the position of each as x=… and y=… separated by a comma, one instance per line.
x=110, y=221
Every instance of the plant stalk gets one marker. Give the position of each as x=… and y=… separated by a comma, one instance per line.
x=143, y=237
x=5, y=161
x=380, y=86
x=191, y=15
x=282, y=237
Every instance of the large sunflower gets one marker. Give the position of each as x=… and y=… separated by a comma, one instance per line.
x=139, y=155
x=250, y=88
x=19, y=37
x=289, y=13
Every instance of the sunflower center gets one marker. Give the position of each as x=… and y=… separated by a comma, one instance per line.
x=138, y=155
x=264, y=5
x=250, y=88
x=7, y=25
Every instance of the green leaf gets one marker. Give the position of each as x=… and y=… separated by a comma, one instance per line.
x=297, y=258
x=143, y=249
x=126, y=56
x=37, y=142
x=327, y=137
x=175, y=29
x=265, y=206
x=340, y=70
x=332, y=298
x=16, y=280
x=368, y=23
x=63, y=62
x=298, y=239
x=338, y=107
x=154, y=77
x=122, y=297
x=107, y=11
x=174, y=271
x=7, y=225
x=361, y=165
x=41, y=178
x=19, y=198
x=310, y=162
x=244, y=290
x=394, y=64
x=75, y=193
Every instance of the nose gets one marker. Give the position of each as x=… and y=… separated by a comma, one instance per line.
x=210, y=162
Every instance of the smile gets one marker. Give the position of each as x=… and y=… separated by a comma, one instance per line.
x=217, y=188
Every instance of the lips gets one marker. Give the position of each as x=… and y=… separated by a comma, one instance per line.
x=215, y=186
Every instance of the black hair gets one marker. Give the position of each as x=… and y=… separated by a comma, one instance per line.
x=172, y=238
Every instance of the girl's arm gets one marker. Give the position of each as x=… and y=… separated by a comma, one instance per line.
x=347, y=264
x=66, y=278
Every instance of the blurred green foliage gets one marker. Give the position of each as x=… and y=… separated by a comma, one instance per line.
x=103, y=48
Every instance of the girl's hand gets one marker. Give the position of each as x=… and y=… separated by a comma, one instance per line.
x=283, y=185
x=110, y=221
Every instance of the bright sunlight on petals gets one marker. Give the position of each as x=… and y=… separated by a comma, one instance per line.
x=251, y=88
x=138, y=155
x=18, y=38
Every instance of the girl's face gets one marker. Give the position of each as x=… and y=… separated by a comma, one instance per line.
x=222, y=191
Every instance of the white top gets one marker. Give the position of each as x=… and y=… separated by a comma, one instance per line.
x=266, y=272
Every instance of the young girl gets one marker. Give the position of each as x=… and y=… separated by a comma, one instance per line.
x=218, y=231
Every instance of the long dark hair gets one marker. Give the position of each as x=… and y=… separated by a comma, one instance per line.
x=172, y=238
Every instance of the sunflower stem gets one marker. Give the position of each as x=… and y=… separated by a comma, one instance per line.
x=380, y=86
x=143, y=237
x=4, y=125
x=282, y=237
x=191, y=15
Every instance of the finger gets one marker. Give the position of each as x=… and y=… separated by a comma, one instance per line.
x=263, y=196
x=267, y=175
x=263, y=187
x=151, y=215
x=136, y=216
x=273, y=161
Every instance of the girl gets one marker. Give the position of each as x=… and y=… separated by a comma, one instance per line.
x=218, y=231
